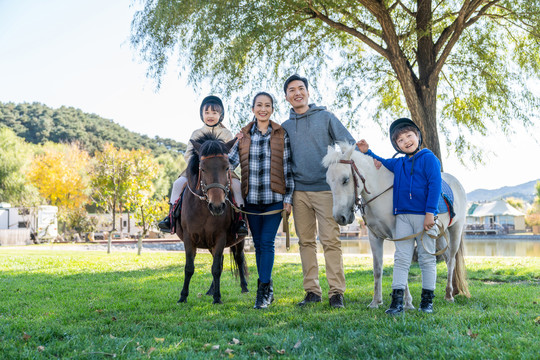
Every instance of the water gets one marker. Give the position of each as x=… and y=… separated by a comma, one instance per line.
x=473, y=247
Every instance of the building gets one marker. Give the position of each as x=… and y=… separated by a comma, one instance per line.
x=491, y=214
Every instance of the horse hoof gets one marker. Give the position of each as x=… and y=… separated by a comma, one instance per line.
x=217, y=302
x=182, y=300
x=374, y=304
x=408, y=306
x=210, y=293
x=245, y=291
x=449, y=299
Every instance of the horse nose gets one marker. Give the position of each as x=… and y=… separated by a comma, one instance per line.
x=340, y=219
x=218, y=209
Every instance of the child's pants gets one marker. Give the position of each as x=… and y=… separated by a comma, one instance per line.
x=182, y=180
x=406, y=225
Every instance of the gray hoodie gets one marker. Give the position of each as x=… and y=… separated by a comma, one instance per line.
x=310, y=134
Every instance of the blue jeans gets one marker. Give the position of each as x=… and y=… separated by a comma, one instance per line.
x=263, y=230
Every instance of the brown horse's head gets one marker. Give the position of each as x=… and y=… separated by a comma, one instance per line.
x=214, y=179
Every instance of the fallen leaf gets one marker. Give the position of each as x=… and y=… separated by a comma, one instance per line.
x=215, y=347
x=151, y=350
x=234, y=342
x=99, y=311
x=26, y=337
x=229, y=351
x=537, y=320
x=257, y=334
x=113, y=318
x=206, y=345
x=297, y=345
x=199, y=295
x=41, y=348
x=112, y=336
x=282, y=351
x=471, y=334
x=535, y=302
x=159, y=340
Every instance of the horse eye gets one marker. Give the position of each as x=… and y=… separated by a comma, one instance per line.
x=345, y=181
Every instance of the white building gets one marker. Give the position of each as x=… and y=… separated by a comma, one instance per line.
x=496, y=212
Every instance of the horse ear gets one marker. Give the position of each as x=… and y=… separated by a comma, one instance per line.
x=230, y=144
x=196, y=145
x=349, y=152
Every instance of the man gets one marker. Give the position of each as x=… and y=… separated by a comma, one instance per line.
x=311, y=129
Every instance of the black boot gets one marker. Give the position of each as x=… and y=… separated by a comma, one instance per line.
x=241, y=226
x=260, y=300
x=269, y=297
x=165, y=224
x=426, y=304
x=396, y=307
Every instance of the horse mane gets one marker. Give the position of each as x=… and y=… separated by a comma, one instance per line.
x=210, y=145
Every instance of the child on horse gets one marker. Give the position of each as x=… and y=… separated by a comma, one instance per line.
x=212, y=113
x=264, y=155
x=417, y=187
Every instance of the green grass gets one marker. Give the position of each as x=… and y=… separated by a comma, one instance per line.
x=90, y=305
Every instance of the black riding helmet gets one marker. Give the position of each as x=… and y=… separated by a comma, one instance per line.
x=400, y=123
x=212, y=100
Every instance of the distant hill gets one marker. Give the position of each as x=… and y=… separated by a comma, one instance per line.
x=38, y=123
x=524, y=191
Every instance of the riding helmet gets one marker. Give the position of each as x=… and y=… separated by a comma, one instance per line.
x=211, y=99
x=400, y=123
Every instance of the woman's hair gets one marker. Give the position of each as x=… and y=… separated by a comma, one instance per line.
x=263, y=93
x=214, y=106
x=404, y=129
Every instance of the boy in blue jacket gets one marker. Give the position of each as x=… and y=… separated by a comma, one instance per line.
x=417, y=187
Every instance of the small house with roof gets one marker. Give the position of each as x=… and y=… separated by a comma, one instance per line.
x=495, y=213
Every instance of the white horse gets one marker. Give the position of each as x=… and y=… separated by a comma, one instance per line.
x=373, y=186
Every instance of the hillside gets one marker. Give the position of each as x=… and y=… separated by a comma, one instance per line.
x=38, y=123
x=524, y=191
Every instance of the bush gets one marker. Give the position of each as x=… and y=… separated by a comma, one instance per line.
x=532, y=219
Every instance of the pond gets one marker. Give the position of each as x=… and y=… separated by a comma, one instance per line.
x=474, y=247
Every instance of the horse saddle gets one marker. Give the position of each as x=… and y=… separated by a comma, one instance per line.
x=446, y=200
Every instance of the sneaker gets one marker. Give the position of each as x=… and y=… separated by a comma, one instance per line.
x=336, y=301
x=311, y=297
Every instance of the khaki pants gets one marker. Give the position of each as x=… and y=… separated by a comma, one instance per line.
x=309, y=209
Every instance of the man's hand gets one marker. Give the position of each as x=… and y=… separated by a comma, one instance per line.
x=429, y=221
x=363, y=146
x=288, y=208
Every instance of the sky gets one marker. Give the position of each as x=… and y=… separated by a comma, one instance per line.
x=76, y=53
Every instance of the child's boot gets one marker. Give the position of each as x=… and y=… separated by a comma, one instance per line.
x=396, y=307
x=426, y=304
x=241, y=226
x=165, y=224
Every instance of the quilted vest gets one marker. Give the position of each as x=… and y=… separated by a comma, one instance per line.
x=277, y=145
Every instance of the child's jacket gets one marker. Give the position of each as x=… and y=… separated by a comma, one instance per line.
x=417, y=182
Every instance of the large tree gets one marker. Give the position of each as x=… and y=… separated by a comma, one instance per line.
x=459, y=67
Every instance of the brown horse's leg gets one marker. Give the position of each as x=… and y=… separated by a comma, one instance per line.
x=189, y=269
x=217, y=269
x=240, y=259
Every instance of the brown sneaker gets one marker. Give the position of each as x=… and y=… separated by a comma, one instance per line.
x=311, y=297
x=336, y=301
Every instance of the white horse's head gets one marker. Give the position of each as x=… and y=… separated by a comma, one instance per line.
x=341, y=180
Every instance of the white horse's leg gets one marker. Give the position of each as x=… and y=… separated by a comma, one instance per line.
x=454, y=235
x=377, y=251
x=407, y=299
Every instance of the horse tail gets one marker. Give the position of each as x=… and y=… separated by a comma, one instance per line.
x=459, y=281
x=236, y=257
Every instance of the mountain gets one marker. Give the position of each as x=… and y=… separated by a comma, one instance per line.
x=38, y=123
x=524, y=191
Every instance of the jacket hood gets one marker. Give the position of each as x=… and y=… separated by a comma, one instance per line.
x=312, y=110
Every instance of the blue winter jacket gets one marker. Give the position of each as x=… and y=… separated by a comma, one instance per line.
x=417, y=182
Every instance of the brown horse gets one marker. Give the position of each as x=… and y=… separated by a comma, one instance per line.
x=207, y=217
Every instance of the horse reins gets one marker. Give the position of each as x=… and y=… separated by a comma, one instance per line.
x=361, y=204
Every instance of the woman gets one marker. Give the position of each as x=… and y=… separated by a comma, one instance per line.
x=263, y=153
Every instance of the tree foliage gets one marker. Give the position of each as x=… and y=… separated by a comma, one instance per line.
x=15, y=155
x=38, y=124
x=457, y=67
x=60, y=174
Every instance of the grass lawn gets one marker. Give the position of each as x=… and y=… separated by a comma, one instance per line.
x=90, y=305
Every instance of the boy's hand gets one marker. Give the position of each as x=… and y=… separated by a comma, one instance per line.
x=363, y=146
x=429, y=221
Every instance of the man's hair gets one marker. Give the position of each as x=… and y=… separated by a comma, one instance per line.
x=214, y=106
x=404, y=129
x=293, y=78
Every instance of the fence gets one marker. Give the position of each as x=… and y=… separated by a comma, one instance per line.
x=15, y=237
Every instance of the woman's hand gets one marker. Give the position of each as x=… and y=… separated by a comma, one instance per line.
x=363, y=146
x=288, y=208
x=240, y=135
x=429, y=221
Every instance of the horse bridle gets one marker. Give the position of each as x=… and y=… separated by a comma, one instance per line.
x=358, y=200
x=205, y=187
